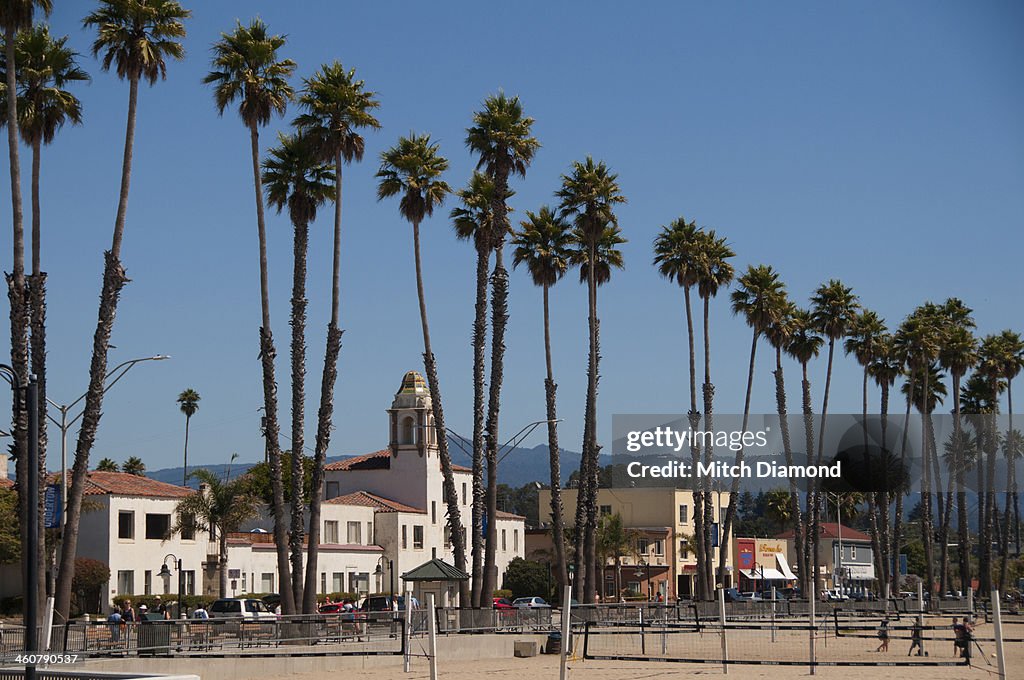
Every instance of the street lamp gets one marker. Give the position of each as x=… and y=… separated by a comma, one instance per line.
x=166, y=573
x=379, y=573
x=65, y=424
x=639, y=574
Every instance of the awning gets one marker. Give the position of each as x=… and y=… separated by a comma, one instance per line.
x=784, y=567
x=860, y=572
x=766, y=573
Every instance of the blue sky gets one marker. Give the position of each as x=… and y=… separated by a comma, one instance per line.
x=879, y=143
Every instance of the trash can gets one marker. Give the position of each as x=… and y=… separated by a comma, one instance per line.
x=554, y=645
x=154, y=638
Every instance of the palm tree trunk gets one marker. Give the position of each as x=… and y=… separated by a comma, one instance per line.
x=811, y=542
x=694, y=418
x=557, y=523
x=298, y=323
x=927, y=521
x=787, y=447
x=325, y=415
x=1004, y=545
x=223, y=584
x=897, y=524
x=16, y=288
x=735, y=484
x=479, y=380
x=114, y=280
x=590, y=448
x=816, y=509
x=36, y=293
x=883, y=496
x=184, y=474
x=430, y=365
x=268, y=354
x=876, y=544
x=499, y=319
x=708, y=392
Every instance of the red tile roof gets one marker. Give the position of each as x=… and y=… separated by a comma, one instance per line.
x=124, y=484
x=369, y=500
x=6, y=483
x=508, y=515
x=831, y=530
x=378, y=460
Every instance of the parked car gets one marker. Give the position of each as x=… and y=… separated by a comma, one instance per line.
x=734, y=595
x=752, y=597
x=502, y=603
x=788, y=593
x=530, y=603
x=332, y=608
x=834, y=596
x=237, y=607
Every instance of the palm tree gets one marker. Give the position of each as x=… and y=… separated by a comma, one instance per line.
x=247, y=70
x=107, y=465
x=44, y=66
x=885, y=368
x=833, y=306
x=714, y=271
x=218, y=508
x=543, y=245
x=295, y=178
x=473, y=222
x=1011, y=360
x=675, y=256
x=865, y=334
x=501, y=136
x=589, y=195
x=412, y=169
x=803, y=345
x=614, y=541
x=981, y=399
x=15, y=16
x=761, y=299
x=188, y=402
x=958, y=354
x=779, y=334
x=134, y=466
x=136, y=38
x=336, y=108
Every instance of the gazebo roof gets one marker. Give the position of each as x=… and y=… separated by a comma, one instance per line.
x=435, y=570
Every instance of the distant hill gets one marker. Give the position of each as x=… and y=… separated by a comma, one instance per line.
x=518, y=467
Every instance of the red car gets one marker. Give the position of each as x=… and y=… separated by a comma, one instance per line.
x=502, y=603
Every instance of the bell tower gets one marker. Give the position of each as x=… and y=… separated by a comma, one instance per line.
x=411, y=418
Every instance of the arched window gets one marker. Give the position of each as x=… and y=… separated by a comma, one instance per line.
x=408, y=431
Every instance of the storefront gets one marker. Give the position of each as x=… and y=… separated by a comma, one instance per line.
x=763, y=565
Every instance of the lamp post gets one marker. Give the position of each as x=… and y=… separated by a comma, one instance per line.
x=29, y=487
x=65, y=423
x=379, y=573
x=166, y=573
x=639, y=574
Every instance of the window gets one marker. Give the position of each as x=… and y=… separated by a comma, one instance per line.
x=337, y=582
x=147, y=582
x=188, y=527
x=684, y=549
x=853, y=552
x=158, y=527
x=125, y=582
x=408, y=435
x=503, y=546
x=659, y=547
x=433, y=512
x=463, y=493
x=447, y=537
x=684, y=514
x=515, y=540
x=405, y=537
x=126, y=525
x=190, y=582
x=609, y=589
x=369, y=533
x=332, y=490
x=606, y=509
x=323, y=582
x=330, y=532
x=417, y=537
x=355, y=533
x=245, y=589
x=266, y=583
x=633, y=586
x=359, y=582
x=642, y=546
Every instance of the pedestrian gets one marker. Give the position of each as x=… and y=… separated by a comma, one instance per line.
x=129, y=615
x=959, y=634
x=916, y=639
x=161, y=607
x=143, y=613
x=968, y=639
x=200, y=612
x=883, y=635
x=115, y=624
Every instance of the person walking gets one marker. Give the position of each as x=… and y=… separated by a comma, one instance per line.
x=959, y=634
x=883, y=635
x=916, y=639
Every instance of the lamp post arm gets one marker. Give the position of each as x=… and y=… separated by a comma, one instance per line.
x=518, y=437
